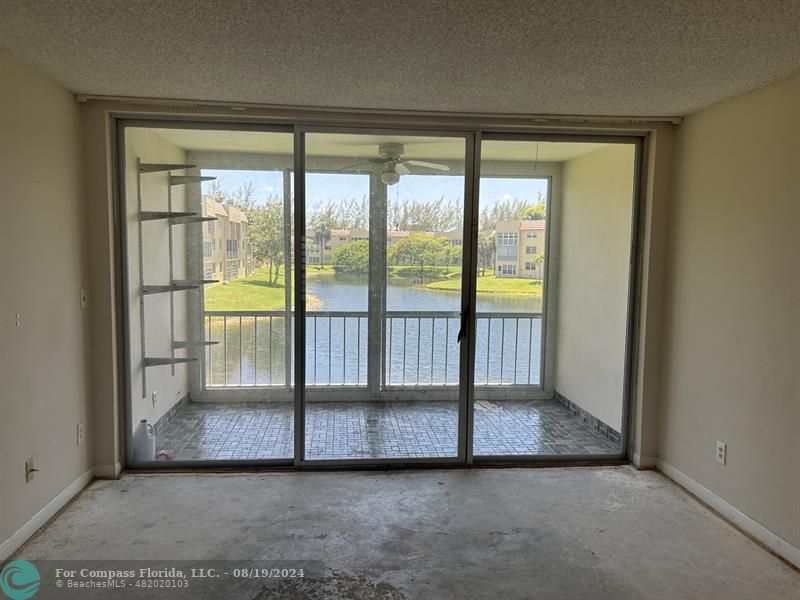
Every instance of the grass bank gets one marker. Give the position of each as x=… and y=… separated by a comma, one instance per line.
x=251, y=293
x=489, y=284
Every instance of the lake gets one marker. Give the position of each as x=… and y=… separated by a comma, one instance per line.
x=338, y=293
x=420, y=351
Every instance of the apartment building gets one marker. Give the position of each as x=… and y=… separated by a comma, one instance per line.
x=519, y=248
x=226, y=253
x=320, y=252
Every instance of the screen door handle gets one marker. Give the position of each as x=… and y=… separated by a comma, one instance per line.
x=464, y=321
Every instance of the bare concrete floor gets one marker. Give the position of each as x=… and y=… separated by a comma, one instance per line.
x=592, y=533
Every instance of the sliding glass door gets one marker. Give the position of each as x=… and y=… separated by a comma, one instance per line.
x=316, y=296
x=552, y=297
x=384, y=227
x=208, y=287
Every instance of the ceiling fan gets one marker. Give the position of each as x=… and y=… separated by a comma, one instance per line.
x=394, y=165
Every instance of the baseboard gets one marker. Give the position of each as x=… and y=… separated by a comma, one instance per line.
x=643, y=462
x=107, y=471
x=754, y=529
x=24, y=533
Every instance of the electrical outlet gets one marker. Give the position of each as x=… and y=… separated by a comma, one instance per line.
x=722, y=453
x=30, y=469
x=19, y=321
x=84, y=298
x=155, y=397
x=81, y=433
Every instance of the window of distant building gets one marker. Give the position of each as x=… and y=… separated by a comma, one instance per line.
x=507, y=239
x=531, y=235
x=530, y=249
x=507, y=269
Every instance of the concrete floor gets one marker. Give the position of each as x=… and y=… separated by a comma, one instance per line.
x=592, y=533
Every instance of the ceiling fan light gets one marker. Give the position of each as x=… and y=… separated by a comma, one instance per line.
x=390, y=177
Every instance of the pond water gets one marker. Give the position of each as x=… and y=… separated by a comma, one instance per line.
x=419, y=350
x=338, y=293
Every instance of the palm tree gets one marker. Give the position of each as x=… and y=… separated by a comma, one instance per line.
x=486, y=250
x=322, y=235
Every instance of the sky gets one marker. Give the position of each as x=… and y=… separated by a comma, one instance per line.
x=322, y=187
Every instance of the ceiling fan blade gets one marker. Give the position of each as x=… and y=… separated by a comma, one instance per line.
x=358, y=164
x=401, y=169
x=429, y=165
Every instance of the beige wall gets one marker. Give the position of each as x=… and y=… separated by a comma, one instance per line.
x=149, y=147
x=731, y=368
x=44, y=361
x=594, y=251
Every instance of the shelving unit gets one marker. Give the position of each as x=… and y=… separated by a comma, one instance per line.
x=171, y=218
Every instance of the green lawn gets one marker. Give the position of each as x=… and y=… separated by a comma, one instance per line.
x=489, y=284
x=250, y=293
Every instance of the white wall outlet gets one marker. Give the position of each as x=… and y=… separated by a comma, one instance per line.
x=81, y=433
x=84, y=298
x=30, y=469
x=19, y=321
x=155, y=397
x=722, y=453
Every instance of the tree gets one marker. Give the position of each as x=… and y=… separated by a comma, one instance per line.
x=265, y=234
x=216, y=193
x=538, y=261
x=423, y=215
x=486, y=247
x=352, y=257
x=323, y=224
x=453, y=255
x=244, y=197
x=420, y=249
x=536, y=212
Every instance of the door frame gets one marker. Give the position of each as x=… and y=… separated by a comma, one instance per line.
x=300, y=132
x=120, y=120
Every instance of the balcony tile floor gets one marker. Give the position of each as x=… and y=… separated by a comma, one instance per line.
x=337, y=430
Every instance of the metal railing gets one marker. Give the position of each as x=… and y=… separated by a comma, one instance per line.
x=420, y=349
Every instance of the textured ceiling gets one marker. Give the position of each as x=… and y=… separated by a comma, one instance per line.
x=601, y=57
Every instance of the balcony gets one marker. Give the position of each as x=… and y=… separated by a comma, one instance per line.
x=248, y=411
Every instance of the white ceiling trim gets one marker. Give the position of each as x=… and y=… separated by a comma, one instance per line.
x=536, y=119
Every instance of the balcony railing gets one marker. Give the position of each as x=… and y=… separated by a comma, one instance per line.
x=419, y=349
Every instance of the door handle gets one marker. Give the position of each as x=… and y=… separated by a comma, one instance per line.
x=464, y=322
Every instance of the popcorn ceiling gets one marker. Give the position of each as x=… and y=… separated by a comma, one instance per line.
x=624, y=58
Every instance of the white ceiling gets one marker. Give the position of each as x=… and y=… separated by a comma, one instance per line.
x=366, y=145
x=601, y=57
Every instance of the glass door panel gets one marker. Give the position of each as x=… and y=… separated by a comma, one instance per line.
x=384, y=227
x=541, y=387
x=209, y=288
